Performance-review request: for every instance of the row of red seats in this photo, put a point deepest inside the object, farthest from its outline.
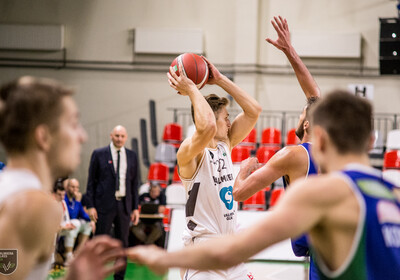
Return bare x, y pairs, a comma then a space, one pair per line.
263, 153
271, 136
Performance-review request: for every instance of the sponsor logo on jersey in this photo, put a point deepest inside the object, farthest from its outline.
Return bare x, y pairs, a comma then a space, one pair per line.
375, 189
389, 217
223, 178
388, 212
225, 194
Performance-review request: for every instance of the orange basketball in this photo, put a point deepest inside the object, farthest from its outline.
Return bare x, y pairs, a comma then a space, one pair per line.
193, 66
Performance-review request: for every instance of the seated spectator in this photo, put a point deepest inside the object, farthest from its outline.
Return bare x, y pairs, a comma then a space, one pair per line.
59, 195
148, 230
79, 218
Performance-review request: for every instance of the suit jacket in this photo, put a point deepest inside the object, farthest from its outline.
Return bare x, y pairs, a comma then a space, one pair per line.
101, 181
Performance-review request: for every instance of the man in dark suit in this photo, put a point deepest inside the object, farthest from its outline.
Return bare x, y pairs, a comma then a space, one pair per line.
112, 190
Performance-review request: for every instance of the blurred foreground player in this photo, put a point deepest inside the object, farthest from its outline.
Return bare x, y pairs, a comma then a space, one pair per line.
41, 133
351, 214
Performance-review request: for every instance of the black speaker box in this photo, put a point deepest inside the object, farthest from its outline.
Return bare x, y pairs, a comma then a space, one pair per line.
389, 46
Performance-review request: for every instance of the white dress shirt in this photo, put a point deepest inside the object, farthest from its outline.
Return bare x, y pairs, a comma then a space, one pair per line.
122, 168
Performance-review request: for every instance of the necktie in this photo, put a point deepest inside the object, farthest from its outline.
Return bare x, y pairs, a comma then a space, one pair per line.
117, 172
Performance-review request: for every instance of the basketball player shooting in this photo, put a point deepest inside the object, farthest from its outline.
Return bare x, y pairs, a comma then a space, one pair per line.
205, 164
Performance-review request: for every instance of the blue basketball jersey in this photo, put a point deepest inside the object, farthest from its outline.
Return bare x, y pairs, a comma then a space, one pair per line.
300, 245
312, 166
376, 246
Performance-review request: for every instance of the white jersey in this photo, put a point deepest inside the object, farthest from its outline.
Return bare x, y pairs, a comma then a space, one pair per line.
210, 208
15, 181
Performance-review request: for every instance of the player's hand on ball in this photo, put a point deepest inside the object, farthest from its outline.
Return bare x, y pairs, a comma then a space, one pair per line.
215, 75
180, 83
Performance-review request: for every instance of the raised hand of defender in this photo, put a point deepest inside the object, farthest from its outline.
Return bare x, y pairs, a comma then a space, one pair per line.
282, 29
182, 84
150, 256
215, 75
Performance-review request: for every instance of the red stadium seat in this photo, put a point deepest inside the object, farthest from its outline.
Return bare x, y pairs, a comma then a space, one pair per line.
255, 202
271, 137
175, 177
173, 134
159, 173
275, 196
391, 167
240, 153
167, 218
264, 153
391, 160
251, 140
291, 137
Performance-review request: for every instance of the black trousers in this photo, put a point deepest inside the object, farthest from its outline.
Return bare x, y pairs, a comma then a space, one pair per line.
121, 221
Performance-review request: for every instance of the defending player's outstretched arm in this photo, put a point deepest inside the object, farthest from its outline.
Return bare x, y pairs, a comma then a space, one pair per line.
306, 81
290, 161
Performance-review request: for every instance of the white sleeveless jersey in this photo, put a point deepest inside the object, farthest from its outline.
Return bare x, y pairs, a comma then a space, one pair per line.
210, 208
16, 181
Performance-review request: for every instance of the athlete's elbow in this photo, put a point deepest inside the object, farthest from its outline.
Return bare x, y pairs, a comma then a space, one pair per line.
253, 113
258, 109
209, 129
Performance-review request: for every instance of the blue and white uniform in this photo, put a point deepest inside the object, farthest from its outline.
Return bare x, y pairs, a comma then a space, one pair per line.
375, 252
300, 245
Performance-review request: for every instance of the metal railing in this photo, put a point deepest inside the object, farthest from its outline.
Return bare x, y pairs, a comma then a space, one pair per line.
286, 120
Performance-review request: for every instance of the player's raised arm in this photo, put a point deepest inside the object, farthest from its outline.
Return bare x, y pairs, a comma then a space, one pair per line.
245, 121
306, 81
204, 121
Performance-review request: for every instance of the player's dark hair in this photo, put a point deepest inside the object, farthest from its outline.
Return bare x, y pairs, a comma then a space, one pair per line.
26, 103
215, 102
347, 120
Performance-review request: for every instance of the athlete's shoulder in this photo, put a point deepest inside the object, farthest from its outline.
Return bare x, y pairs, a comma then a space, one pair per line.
291, 156
32, 211
326, 188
